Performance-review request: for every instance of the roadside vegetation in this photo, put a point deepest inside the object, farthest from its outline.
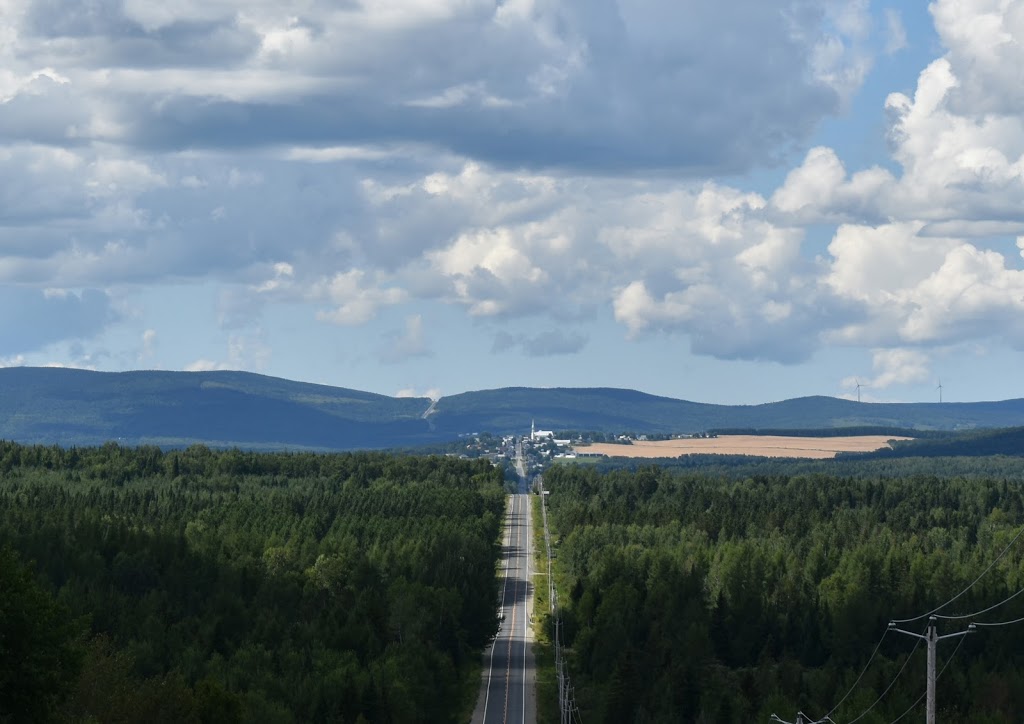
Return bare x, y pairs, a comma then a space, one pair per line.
543, 648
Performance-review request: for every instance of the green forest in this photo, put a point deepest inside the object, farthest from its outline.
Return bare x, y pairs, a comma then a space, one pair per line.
727, 596
138, 585
142, 585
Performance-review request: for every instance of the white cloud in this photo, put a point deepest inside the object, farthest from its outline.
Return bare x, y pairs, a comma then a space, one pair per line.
875, 264
489, 273
293, 159
204, 365
110, 176
434, 393
283, 275
535, 84
356, 299
984, 41
899, 366
819, 190
972, 294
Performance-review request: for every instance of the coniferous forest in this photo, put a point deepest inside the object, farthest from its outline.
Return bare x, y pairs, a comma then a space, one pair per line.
199, 586
692, 597
224, 586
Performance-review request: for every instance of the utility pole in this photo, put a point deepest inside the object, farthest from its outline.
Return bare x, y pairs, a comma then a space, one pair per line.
932, 638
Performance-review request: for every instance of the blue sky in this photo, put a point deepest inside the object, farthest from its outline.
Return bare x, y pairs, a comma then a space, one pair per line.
730, 203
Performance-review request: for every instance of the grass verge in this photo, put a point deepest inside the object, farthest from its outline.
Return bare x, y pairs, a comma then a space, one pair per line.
543, 649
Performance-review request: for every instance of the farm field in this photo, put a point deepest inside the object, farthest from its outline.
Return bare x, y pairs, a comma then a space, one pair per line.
760, 445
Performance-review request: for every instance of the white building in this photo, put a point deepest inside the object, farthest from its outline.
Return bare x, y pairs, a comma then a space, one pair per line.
536, 434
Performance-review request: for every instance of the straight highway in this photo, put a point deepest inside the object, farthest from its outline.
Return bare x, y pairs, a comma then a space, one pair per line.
507, 693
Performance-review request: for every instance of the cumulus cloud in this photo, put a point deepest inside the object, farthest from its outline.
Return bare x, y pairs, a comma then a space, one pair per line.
434, 393
714, 268
899, 366
355, 297
984, 42
290, 157
511, 83
820, 190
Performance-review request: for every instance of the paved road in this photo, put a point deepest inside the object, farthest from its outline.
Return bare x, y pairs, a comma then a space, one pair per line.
507, 693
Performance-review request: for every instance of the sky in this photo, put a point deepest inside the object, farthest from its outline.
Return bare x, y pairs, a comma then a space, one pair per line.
724, 202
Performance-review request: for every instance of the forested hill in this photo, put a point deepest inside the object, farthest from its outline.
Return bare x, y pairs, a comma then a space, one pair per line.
615, 410
240, 409
223, 409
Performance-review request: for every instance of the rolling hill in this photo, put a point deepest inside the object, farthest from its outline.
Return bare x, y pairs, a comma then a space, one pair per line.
618, 410
79, 407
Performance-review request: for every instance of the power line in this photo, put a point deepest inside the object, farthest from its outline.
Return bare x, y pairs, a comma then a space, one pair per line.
980, 576
891, 684
931, 636
910, 708
1000, 623
939, 676
934, 613
984, 610
863, 671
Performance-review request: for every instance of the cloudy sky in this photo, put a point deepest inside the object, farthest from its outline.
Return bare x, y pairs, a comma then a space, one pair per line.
726, 202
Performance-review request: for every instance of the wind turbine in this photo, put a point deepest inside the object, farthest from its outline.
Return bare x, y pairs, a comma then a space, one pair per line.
939, 388
859, 385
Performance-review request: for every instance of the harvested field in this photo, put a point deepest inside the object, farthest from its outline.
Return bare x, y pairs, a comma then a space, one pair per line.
771, 446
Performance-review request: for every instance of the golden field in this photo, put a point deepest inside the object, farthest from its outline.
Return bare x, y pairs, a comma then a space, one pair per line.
773, 446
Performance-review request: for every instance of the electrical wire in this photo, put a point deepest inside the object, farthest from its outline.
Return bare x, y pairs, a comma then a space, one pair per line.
891, 683
1000, 623
937, 677
937, 615
979, 613
576, 715
855, 683
910, 709
980, 576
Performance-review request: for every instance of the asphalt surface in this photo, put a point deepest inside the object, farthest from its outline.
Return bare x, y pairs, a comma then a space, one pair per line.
507, 692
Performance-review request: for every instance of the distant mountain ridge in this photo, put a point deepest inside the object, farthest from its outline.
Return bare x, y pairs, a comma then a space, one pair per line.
80, 407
